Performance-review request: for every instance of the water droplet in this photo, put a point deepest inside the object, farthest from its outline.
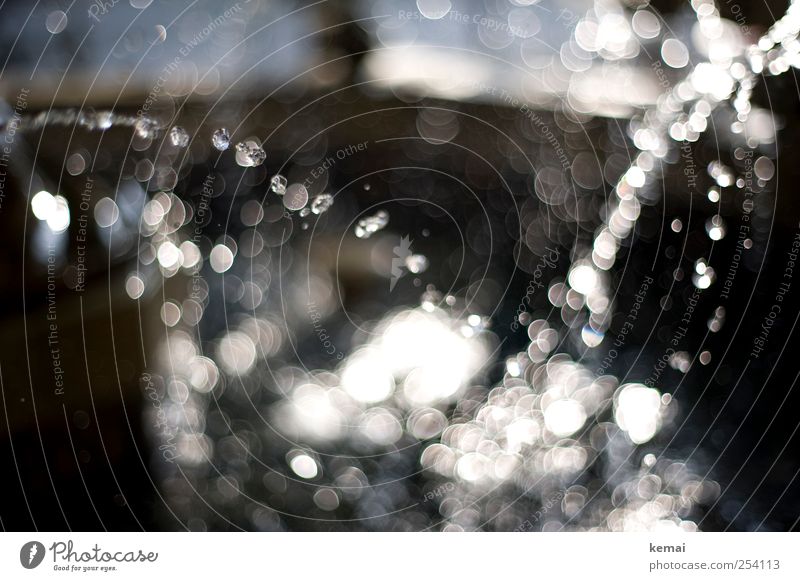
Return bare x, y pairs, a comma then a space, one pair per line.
43, 204
705, 357
430, 298
104, 120
366, 227
221, 139
681, 361
305, 212
704, 276
722, 174
145, 128
321, 203
96, 120
717, 320
513, 367
178, 136
700, 266
58, 220
635, 177
416, 263
304, 466
278, 184
250, 154
677, 225
713, 195
715, 227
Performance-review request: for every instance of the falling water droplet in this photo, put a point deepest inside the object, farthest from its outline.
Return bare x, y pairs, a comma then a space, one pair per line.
430, 298
321, 203
145, 128
721, 173
715, 227
178, 136
366, 227
416, 263
681, 361
250, 154
104, 120
221, 139
717, 320
704, 276
278, 184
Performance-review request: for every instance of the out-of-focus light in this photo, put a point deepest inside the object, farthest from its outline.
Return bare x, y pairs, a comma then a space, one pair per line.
304, 466
221, 258
106, 212
637, 410
675, 53
169, 256
366, 377
564, 417
583, 278
134, 286
434, 9
237, 353
58, 219
52, 209
43, 205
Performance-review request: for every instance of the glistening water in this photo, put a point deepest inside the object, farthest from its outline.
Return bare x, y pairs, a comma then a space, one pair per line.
434, 303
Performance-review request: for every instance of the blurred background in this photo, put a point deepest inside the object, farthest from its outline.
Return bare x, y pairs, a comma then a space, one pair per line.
452, 265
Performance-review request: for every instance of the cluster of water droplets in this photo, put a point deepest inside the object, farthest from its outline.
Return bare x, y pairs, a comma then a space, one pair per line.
368, 225
663, 135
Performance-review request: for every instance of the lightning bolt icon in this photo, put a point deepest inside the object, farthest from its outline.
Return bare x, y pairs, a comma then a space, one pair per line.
400, 252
